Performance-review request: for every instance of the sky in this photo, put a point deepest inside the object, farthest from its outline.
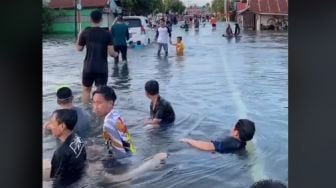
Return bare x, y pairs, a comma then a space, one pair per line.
197, 2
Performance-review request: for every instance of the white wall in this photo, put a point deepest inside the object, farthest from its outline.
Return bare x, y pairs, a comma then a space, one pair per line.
264, 19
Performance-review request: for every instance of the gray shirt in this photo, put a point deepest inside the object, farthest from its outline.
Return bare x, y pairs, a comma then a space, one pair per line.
83, 124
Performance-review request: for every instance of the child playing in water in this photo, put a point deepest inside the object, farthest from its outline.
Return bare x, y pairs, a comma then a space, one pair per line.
179, 46
242, 132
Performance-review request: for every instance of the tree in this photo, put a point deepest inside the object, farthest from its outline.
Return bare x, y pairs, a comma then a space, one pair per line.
217, 5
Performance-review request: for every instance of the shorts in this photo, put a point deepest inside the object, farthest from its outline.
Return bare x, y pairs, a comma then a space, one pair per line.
98, 78
213, 25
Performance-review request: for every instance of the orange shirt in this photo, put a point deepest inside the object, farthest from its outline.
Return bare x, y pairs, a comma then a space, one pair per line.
213, 20
180, 49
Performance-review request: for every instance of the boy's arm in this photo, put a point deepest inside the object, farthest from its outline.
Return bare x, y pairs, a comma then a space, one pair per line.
152, 121
157, 34
80, 42
202, 145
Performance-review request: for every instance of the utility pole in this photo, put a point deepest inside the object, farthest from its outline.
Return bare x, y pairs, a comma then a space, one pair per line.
225, 11
77, 7
75, 17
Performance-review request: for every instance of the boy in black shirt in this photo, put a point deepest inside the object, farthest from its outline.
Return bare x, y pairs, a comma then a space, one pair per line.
161, 111
242, 132
68, 163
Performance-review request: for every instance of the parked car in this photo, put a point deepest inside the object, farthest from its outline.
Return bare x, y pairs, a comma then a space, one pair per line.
139, 30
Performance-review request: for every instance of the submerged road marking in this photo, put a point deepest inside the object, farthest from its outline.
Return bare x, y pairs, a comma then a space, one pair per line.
257, 170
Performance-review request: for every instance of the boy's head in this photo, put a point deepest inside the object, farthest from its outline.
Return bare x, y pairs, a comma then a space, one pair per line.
243, 130
103, 99
61, 121
96, 16
151, 88
162, 22
179, 39
268, 184
64, 96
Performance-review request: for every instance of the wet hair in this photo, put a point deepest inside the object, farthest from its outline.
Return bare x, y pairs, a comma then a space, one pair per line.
179, 37
66, 116
64, 95
268, 184
245, 129
152, 87
119, 18
107, 92
96, 16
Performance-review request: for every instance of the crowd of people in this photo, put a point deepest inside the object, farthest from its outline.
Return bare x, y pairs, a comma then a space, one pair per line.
70, 125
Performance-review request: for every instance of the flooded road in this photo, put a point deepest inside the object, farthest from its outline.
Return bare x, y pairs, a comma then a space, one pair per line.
217, 82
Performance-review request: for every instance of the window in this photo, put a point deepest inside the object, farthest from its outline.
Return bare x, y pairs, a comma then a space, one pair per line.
132, 22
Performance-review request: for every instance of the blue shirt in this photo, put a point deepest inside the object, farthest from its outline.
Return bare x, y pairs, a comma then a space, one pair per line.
228, 144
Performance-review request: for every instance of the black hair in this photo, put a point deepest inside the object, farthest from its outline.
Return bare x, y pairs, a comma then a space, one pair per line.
268, 184
152, 87
179, 37
64, 95
66, 116
120, 18
96, 16
245, 129
107, 92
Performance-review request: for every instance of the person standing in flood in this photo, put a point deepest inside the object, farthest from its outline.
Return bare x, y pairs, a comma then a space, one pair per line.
120, 35
237, 30
98, 44
163, 37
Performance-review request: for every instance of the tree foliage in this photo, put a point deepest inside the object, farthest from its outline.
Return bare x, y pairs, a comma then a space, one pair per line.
145, 7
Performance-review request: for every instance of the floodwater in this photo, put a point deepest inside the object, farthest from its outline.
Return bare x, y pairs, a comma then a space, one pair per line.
217, 82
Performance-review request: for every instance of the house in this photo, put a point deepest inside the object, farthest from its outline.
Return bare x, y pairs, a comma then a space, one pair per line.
263, 14
66, 22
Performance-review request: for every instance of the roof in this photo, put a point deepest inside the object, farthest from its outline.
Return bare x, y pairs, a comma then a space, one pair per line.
267, 7
241, 6
70, 3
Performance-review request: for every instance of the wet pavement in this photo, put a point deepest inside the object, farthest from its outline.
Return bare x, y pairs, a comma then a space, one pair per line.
218, 81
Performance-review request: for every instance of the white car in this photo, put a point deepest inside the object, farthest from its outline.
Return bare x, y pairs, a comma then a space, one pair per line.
139, 30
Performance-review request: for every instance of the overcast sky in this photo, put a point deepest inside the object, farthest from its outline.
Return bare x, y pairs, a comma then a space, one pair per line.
197, 2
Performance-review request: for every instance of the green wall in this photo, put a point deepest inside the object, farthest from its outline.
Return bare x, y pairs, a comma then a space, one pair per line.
66, 23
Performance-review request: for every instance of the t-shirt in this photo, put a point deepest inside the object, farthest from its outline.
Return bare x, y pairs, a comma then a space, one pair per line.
180, 49
228, 144
163, 34
68, 162
120, 34
96, 40
213, 20
163, 110
115, 127
83, 124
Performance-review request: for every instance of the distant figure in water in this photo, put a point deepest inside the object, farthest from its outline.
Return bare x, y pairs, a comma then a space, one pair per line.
237, 29
268, 184
242, 132
213, 22
229, 31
